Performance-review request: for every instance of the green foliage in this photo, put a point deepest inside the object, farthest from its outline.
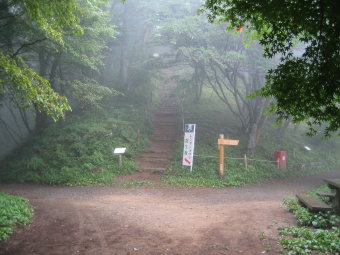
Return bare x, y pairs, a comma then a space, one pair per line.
205, 174
98, 32
31, 89
306, 218
318, 233
307, 241
14, 211
89, 93
53, 17
79, 31
78, 151
305, 85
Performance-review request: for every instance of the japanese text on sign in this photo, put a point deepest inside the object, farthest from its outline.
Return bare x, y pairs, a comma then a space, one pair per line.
189, 144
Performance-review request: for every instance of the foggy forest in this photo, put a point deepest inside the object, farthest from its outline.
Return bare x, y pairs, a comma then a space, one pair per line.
169, 127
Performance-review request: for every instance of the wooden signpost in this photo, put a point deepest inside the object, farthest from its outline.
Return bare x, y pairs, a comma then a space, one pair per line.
221, 143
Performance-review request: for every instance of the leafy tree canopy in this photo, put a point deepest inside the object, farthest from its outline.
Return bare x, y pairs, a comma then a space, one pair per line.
306, 85
56, 21
30, 89
52, 17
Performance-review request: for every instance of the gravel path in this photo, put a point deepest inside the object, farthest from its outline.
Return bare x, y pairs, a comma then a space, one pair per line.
111, 220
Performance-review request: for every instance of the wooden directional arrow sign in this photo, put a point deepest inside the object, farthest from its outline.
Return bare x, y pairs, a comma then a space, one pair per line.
221, 142
227, 142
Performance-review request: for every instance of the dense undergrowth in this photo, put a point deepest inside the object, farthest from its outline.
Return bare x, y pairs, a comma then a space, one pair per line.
213, 119
78, 151
14, 211
315, 233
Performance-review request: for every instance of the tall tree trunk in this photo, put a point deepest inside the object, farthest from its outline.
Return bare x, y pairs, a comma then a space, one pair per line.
124, 62
255, 130
41, 119
8, 39
252, 139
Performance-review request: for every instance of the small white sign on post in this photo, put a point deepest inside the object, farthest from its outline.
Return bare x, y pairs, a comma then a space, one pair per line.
119, 152
189, 145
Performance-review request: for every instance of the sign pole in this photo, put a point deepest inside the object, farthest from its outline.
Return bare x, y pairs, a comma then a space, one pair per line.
221, 149
120, 159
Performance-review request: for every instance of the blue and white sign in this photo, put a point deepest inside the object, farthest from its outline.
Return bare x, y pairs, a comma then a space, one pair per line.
189, 145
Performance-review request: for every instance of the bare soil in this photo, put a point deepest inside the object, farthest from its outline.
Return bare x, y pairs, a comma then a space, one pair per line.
112, 220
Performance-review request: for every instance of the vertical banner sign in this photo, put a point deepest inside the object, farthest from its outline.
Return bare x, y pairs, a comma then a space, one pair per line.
189, 144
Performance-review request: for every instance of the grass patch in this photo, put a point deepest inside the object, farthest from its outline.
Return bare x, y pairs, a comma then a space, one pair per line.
316, 233
78, 151
14, 211
205, 170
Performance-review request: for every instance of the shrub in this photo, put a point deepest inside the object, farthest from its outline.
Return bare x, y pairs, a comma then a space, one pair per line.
14, 211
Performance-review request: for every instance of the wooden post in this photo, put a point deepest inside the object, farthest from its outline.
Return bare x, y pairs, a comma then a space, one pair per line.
120, 160
221, 149
245, 161
221, 143
138, 136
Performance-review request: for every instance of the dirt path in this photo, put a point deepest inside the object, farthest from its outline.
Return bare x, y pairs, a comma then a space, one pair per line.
108, 220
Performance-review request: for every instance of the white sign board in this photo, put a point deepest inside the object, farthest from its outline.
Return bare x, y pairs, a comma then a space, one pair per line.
119, 151
189, 145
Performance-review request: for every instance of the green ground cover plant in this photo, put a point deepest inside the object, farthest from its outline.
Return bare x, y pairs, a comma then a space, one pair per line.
315, 233
79, 150
14, 211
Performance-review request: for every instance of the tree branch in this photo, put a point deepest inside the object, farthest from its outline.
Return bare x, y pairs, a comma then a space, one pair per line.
28, 44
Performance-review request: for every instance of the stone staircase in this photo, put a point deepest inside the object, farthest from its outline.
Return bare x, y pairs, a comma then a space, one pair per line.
166, 129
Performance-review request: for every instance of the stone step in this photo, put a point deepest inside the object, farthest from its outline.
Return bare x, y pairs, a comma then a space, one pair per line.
169, 132
166, 129
153, 169
162, 124
312, 203
160, 143
155, 160
166, 112
160, 139
165, 155
156, 149
169, 116
151, 165
163, 135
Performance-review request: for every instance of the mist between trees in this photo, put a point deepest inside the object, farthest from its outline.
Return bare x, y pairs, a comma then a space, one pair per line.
60, 60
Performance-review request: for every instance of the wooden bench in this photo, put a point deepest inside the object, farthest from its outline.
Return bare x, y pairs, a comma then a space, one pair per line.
312, 203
